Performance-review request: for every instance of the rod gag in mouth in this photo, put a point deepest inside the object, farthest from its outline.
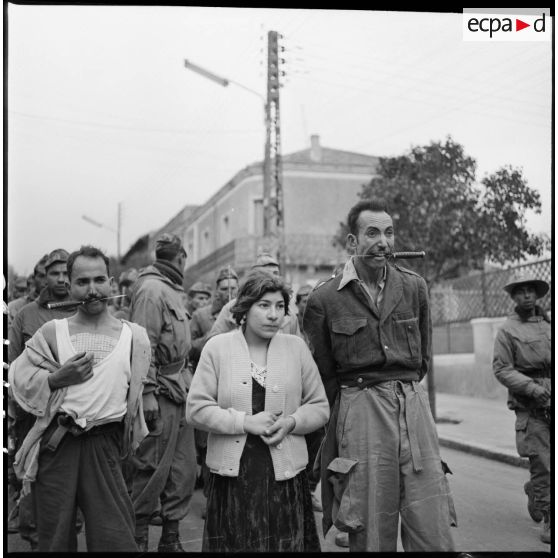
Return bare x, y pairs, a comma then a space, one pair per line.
76, 303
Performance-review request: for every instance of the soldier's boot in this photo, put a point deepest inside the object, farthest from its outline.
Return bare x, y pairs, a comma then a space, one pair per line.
536, 515
170, 538
546, 532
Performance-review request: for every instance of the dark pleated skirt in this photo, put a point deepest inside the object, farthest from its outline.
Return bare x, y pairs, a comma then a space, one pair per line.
255, 513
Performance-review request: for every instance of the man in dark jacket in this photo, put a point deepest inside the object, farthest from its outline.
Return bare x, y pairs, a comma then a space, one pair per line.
164, 467
369, 329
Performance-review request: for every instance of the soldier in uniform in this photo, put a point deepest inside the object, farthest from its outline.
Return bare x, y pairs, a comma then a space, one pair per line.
164, 467
33, 315
199, 295
369, 329
523, 363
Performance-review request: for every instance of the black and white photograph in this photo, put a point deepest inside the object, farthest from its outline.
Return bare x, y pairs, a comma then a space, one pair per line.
278, 279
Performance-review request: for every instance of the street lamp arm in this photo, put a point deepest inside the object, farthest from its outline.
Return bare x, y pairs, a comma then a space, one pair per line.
205, 73
96, 223
93, 222
218, 79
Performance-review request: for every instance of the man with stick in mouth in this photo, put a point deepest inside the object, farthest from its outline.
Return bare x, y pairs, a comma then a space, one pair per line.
26, 322
369, 329
82, 377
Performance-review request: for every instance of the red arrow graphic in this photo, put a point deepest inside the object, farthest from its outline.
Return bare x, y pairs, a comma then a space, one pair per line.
519, 25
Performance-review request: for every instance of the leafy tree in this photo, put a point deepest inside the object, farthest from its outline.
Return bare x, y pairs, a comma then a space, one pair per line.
437, 206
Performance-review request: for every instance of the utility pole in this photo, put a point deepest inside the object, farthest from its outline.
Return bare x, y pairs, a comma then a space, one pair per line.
273, 176
273, 214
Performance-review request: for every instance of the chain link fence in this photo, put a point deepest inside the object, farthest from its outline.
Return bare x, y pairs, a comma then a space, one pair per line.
483, 295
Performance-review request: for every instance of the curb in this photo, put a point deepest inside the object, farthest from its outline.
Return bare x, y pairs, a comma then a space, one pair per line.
484, 451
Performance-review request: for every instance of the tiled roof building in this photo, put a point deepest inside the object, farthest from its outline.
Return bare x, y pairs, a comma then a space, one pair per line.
319, 186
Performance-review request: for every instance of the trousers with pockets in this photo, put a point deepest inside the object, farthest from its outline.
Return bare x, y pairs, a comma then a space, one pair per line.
390, 469
164, 468
532, 437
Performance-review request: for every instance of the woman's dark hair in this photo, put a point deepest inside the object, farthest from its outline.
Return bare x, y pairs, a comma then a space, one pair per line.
255, 285
364, 205
86, 252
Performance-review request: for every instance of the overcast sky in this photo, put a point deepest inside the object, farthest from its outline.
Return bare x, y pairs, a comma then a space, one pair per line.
102, 111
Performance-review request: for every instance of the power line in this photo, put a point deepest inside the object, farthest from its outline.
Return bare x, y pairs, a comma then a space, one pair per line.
128, 128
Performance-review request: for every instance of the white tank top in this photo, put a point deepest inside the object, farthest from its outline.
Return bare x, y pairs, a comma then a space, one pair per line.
103, 397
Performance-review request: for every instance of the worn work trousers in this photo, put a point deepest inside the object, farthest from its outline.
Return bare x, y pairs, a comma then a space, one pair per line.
84, 471
533, 441
387, 435
164, 468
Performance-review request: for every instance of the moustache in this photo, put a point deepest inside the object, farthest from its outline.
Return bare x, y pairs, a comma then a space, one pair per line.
92, 299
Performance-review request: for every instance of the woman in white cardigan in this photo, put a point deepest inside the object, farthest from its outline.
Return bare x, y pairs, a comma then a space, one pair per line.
258, 392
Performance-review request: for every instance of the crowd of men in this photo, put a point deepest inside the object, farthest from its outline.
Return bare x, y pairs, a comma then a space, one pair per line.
114, 450
169, 463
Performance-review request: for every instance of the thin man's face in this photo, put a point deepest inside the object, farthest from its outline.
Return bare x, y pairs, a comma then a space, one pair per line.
375, 239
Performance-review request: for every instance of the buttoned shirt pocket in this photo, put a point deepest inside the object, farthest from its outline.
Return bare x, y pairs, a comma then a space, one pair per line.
532, 352
351, 340
175, 336
345, 510
407, 335
175, 314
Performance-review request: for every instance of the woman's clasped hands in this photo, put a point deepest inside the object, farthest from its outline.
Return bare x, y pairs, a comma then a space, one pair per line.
270, 426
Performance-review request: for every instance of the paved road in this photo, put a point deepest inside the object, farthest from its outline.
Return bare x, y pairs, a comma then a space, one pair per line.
489, 501
491, 506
